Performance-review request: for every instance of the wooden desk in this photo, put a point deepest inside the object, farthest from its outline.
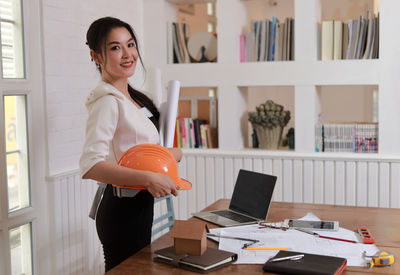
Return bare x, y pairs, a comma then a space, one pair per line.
383, 224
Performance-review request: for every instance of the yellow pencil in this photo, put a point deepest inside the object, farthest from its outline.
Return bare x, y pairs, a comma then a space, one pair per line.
266, 248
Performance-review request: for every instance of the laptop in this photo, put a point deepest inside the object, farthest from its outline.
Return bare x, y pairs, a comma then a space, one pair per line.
250, 201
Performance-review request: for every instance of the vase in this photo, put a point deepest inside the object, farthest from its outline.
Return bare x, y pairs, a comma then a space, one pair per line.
268, 138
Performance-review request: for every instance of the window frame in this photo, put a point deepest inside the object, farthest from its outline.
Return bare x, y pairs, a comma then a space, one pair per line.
37, 214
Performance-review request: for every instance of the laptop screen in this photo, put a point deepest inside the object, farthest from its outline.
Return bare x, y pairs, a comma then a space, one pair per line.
252, 194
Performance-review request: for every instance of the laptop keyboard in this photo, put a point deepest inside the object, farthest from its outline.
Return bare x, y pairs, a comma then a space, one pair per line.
234, 216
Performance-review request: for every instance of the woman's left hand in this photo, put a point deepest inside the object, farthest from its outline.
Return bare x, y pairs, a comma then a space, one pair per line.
177, 152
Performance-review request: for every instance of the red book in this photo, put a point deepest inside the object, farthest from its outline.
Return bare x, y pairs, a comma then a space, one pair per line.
175, 134
242, 48
183, 133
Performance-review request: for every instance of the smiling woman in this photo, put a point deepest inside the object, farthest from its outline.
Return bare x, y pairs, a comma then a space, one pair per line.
118, 61
120, 117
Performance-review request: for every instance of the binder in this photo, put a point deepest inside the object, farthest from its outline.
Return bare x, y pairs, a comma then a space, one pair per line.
209, 261
310, 264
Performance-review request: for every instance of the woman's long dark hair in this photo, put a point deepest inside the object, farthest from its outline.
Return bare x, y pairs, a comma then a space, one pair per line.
96, 40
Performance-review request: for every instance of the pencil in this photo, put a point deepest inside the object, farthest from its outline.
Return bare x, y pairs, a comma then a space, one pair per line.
267, 248
337, 239
324, 237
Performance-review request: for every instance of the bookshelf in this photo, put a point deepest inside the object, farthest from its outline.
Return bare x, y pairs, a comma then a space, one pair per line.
201, 103
305, 75
198, 103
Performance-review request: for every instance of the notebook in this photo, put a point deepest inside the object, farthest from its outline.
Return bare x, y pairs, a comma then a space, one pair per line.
210, 260
310, 264
249, 203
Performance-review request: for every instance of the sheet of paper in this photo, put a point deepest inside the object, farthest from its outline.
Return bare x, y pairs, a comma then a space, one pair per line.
243, 228
294, 240
266, 239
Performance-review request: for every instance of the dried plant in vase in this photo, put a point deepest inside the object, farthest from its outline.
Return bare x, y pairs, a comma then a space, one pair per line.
268, 121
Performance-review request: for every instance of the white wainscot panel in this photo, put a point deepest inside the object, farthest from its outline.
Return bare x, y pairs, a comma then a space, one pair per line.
77, 247
363, 180
331, 178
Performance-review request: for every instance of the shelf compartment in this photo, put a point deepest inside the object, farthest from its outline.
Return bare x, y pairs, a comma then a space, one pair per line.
349, 115
256, 95
185, 19
349, 103
196, 106
340, 20
268, 31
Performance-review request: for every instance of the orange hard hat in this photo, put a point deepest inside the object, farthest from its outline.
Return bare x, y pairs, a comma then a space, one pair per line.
154, 158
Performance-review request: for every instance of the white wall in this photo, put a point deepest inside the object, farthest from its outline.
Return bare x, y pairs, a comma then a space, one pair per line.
344, 10
70, 75
343, 104
261, 9
197, 21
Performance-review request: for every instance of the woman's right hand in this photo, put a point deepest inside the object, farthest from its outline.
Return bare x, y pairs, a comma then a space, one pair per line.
160, 185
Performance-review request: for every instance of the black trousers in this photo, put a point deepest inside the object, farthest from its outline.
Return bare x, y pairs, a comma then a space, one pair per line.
124, 225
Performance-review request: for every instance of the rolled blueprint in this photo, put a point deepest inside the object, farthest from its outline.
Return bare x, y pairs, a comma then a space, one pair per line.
168, 113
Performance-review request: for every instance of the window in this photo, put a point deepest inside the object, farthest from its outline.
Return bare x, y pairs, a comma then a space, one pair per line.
16, 152
19, 88
12, 57
211, 24
210, 9
210, 27
21, 250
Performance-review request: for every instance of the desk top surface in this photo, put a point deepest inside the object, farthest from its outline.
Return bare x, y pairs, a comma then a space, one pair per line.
382, 223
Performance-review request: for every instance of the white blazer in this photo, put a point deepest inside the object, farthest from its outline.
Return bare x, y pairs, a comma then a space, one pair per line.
114, 125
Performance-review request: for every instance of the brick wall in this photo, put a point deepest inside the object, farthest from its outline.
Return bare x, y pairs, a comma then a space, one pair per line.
69, 74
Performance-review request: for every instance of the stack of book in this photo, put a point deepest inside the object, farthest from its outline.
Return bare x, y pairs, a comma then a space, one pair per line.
358, 138
180, 35
194, 133
356, 39
269, 41
366, 138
